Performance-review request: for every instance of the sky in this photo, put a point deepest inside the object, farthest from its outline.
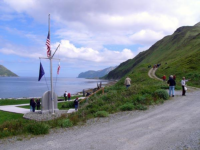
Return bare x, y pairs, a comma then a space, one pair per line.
93, 34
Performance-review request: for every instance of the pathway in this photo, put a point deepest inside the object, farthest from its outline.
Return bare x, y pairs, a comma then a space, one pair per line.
19, 110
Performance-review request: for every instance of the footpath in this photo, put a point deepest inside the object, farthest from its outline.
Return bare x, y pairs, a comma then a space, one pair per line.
19, 110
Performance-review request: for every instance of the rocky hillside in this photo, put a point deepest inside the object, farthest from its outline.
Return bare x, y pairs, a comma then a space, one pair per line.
4, 72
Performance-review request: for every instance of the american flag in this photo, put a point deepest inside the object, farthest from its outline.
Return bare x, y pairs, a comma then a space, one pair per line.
48, 44
58, 68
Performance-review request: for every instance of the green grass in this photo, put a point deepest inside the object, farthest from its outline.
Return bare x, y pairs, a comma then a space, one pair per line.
186, 67
13, 101
25, 106
24, 101
8, 116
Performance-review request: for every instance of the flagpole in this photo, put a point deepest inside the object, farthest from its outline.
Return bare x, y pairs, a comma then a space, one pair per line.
50, 58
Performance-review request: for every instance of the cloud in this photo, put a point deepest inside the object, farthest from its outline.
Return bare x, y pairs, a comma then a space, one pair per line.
69, 52
87, 29
146, 37
96, 23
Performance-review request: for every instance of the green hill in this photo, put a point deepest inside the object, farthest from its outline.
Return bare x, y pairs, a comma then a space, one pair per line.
178, 54
4, 72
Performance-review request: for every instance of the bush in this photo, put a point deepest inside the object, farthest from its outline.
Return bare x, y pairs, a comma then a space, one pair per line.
127, 107
37, 128
160, 93
101, 114
140, 107
65, 123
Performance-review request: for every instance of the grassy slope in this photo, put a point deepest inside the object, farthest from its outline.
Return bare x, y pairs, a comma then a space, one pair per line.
172, 49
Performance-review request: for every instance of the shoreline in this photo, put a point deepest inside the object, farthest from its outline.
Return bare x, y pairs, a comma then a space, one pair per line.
90, 90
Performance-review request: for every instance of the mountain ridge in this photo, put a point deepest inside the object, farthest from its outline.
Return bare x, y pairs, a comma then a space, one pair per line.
95, 74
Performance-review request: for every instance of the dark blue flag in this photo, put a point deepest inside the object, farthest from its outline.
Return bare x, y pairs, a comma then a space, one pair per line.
41, 72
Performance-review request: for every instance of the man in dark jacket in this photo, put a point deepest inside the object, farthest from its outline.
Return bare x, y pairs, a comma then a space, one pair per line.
172, 85
76, 104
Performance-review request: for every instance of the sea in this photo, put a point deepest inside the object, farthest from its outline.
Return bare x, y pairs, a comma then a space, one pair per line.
26, 87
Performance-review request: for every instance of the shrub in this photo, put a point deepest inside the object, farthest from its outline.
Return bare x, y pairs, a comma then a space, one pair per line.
101, 114
140, 107
65, 123
37, 128
127, 107
160, 93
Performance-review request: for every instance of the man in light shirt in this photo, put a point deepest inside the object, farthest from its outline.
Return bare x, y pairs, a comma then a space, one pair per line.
127, 82
183, 83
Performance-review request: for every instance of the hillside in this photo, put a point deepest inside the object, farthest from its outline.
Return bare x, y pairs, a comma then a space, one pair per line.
178, 54
95, 74
4, 72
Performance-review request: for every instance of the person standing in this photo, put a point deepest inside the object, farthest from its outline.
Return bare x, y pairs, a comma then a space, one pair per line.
164, 77
68, 96
127, 82
65, 95
172, 85
31, 108
76, 104
33, 105
183, 83
174, 77
38, 104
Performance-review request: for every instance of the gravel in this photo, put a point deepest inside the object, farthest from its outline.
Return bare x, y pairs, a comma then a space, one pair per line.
38, 116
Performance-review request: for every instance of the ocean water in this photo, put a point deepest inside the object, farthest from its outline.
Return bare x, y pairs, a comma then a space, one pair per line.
22, 87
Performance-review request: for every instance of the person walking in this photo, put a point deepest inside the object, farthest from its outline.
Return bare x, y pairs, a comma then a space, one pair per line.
33, 105
172, 85
184, 88
127, 82
68, 96
76, 104
164, 77
38, 104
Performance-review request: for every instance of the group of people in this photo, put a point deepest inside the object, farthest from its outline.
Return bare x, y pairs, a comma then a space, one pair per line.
67, 96
34, 104
156, 66
172, 83
173, 76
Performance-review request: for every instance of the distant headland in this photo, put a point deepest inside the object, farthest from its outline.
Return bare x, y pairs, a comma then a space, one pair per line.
4, 72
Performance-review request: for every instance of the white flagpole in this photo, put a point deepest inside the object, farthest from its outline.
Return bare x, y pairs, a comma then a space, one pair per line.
50, 58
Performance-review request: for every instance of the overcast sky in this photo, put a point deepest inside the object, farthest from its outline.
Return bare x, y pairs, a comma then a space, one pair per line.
94, 34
